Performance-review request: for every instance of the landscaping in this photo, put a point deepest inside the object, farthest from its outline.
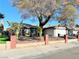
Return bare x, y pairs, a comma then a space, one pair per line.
3, 39
3, 36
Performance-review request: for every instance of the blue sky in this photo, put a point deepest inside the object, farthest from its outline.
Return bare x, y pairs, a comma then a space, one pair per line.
12, 14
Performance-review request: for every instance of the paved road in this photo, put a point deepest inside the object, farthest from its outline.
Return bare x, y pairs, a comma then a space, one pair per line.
72, 53
51, 51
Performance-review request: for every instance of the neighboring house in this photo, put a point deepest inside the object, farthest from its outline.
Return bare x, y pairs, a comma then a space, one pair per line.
28, 30
75, 31
55, 31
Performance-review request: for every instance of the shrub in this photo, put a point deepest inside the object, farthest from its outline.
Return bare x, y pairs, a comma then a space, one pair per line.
3, 38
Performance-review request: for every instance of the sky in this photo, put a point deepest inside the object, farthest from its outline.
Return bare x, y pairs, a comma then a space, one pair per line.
11, 14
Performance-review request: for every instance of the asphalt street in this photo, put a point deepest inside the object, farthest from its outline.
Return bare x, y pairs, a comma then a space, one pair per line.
72, 53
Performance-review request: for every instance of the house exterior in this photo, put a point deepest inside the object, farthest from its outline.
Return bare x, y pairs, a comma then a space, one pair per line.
28, 30
75, 31
53, 31
56, 31
60, 31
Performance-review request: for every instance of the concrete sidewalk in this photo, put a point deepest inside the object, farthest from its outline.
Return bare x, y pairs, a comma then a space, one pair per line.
36, 50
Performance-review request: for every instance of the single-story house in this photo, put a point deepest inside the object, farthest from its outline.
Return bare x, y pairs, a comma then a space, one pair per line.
75, 31
28, 30
56, 31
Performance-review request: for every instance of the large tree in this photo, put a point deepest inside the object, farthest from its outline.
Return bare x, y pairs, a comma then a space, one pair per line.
42, 9
69, 13
68, 16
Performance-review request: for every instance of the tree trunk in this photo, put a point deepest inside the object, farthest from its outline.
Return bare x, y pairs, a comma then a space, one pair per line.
41, 31
41, 24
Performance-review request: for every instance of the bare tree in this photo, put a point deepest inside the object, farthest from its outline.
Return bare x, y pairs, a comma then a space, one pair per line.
39, 8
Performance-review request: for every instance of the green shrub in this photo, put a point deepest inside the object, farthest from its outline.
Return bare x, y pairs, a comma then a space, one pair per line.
3, 38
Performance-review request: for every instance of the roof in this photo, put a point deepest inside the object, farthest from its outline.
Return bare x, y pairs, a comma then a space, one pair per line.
55, 27
28, 26
61, 27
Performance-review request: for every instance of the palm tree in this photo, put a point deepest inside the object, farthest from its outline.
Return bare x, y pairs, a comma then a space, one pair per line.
14, 26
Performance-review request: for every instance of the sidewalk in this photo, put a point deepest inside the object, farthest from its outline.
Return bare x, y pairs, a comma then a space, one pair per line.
35, 50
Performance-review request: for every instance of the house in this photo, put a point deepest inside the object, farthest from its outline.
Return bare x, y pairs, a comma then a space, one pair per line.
75, 31
28, 30
56, 31
53, 31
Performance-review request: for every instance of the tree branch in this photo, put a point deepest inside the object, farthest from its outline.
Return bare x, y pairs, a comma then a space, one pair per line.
40, 20
47, 19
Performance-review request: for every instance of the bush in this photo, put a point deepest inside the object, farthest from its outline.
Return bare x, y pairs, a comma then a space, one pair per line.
3, 38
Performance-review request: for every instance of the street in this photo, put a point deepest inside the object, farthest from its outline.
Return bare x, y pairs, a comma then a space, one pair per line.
72, 53
52, 51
